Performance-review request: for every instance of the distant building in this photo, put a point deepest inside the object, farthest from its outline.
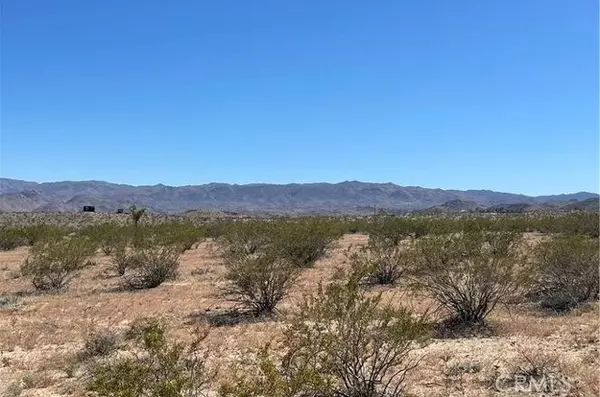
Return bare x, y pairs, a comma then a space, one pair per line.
120, 211
89, 208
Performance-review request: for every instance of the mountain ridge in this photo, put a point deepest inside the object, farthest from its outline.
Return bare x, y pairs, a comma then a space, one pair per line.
318, 197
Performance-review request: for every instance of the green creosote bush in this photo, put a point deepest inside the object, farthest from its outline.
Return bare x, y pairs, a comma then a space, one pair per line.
467, 273
342, 342
576, 223
150, 266
131, 250
381, 262
259, 281
39, 233
174, 234
156, 367
53, 264
303, 242
564, 272
123, 258
241, 238
391, 230
185, 235
108, 236
11, 238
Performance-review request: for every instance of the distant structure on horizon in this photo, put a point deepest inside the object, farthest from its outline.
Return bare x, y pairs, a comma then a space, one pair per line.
89, 208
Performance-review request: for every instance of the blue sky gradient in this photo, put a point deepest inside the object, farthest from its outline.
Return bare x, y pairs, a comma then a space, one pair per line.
464, 94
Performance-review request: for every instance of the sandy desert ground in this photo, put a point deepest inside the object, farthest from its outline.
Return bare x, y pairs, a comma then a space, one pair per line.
41, 334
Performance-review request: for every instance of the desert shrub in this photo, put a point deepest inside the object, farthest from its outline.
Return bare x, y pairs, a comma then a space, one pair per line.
13, 389
305, 241
238, 239
391, 229
107, 246
341, 343
37, 380
352, 226
108, 236
150, 266
540, 369
43, 233
122, 258
467, 273
565, 272
260, 281
578, 223
396, 228
184, 235
133, 249
99, 344
156, 367
53, 264
125, 258
382, 262
535, 363
9, 301
11, 238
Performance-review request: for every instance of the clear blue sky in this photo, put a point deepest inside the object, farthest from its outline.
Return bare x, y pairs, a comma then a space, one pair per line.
465, 94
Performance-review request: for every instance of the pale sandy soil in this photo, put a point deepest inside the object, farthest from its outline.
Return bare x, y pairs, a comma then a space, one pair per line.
39, 338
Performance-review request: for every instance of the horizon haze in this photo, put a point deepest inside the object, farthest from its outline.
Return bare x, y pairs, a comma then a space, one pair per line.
5, 177
350, 197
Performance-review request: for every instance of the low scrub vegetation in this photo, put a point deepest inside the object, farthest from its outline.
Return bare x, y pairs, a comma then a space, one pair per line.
341, 343
341, 340
565, 272
9, 301
382, 261
467, 273
259, 281
40, 232
150, 266
391, 230
184, 235
154, 367
303, 242
239, 239
122, 258
53, 264
100, 344
396, 227
108, 236
11, 239
300, 242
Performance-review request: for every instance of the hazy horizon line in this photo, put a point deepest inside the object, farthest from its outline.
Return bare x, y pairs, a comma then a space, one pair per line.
295, 183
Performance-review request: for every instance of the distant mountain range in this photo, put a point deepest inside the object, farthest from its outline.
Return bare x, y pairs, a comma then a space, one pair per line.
328, 198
